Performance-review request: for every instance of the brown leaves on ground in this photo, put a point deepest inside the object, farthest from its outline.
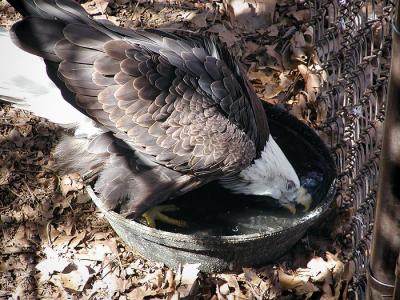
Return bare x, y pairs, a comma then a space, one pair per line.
251, 15
71, 183
320, 275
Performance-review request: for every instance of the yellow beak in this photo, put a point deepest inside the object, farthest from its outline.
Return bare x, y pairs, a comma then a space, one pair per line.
304, 198
290, 207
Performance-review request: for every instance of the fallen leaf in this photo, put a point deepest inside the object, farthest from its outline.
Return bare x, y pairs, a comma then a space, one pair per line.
200, 20
71, 183
154, 279
114, 282
274, 54
77, 239
75, 280
230, 280
264, 77
251, 14
312, 80
138, 293
20, 239
335, 265
224, 34
318, 269
189, 274
98, 252
63, 241
223, 289
5, 173
303, 15
273, 30
102, 4
169, 283
292, 281
52, 263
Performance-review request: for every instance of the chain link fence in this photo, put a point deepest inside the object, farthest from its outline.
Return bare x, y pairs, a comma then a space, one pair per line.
353, 40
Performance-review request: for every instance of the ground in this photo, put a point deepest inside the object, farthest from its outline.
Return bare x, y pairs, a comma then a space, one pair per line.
55, 244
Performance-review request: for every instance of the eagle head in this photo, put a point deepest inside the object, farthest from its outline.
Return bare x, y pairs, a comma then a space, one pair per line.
271, 175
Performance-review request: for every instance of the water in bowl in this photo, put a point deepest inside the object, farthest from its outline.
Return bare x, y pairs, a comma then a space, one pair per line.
213, 210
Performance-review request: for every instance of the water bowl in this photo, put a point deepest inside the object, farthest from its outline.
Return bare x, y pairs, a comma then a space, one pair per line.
228, 231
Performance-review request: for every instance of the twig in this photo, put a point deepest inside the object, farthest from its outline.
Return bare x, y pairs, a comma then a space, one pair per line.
30, 191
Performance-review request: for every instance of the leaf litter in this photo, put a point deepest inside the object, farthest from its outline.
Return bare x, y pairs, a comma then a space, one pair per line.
56, 245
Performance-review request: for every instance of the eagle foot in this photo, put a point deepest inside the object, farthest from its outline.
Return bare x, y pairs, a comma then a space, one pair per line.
157, 214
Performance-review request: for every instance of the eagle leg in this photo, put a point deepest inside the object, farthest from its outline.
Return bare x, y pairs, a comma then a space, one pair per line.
156, 213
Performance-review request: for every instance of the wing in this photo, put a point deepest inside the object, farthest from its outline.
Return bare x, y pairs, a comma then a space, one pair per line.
164, 96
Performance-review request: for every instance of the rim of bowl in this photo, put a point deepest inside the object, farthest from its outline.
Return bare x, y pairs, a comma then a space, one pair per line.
215, 239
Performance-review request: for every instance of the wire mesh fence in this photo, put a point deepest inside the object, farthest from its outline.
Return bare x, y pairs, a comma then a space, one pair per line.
353, 40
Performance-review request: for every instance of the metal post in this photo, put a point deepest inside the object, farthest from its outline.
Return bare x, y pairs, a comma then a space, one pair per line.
386, 237
396, 293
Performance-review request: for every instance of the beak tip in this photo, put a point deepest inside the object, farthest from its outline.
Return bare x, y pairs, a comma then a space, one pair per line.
304, 199
291, 208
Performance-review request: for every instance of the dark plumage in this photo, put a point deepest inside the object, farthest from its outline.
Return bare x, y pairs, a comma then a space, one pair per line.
175, 112
190, 115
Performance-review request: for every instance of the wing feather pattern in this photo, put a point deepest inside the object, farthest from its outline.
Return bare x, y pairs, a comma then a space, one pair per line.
170, 98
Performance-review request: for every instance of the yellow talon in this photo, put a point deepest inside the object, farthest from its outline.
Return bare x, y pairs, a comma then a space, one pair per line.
156, 214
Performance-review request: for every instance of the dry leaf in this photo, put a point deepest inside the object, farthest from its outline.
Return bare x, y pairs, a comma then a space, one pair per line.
264, 78
77, 239
71, 183
250, 48
189, 274
335, 265
327, 292
75, 280
155, 279
313, 82
299, 47
20, 239
251, 276
138, 293
222, 291
307, 289
274, 54
186, 278
63, 240
318, 269
273, 30
292, 281
114, 282
4, 174
169, 283
102, 5
303, 15
52, 263
231, 281
98, 252
251, 14
200, 20
224, 34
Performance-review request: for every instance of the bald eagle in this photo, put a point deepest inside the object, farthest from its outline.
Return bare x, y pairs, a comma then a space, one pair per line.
155, 114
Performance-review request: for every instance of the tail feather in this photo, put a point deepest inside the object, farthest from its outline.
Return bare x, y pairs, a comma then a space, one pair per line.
25, 8
38, 36
65, 11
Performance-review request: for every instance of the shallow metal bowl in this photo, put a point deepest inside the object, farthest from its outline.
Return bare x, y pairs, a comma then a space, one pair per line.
227, 231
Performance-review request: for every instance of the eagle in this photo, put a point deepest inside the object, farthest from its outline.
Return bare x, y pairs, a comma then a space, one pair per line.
155, 114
